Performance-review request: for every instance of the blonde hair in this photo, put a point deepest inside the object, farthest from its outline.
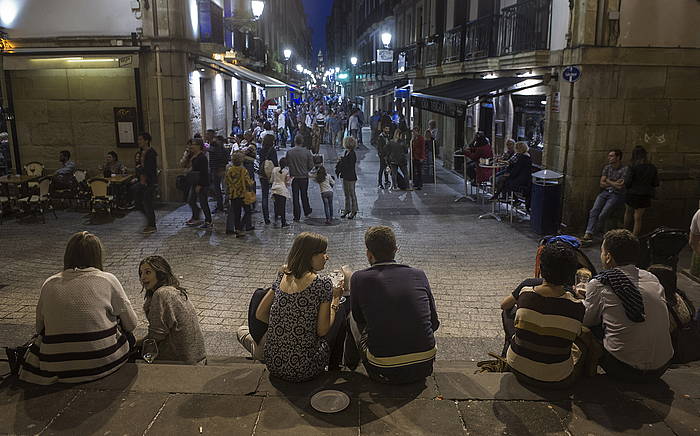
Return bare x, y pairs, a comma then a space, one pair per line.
84, 250
521, 147
349, 142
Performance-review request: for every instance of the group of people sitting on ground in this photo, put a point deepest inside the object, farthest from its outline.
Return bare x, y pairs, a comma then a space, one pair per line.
383, 316
85, 321
557, 333
305, 322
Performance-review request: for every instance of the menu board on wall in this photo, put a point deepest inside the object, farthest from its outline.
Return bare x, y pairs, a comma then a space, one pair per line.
125, 125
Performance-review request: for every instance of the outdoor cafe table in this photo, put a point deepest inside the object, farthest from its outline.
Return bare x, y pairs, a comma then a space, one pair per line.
120, 191
17, 180
497, 165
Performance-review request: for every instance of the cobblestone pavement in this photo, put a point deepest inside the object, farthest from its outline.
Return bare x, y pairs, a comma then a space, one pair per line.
471, 263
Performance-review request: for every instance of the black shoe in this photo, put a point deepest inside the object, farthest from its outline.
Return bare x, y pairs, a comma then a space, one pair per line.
380, 186
267, 221
352, 215
344, 214
309, 213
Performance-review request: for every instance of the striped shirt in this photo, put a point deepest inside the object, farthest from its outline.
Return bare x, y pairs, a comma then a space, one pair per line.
545, 328
77, 318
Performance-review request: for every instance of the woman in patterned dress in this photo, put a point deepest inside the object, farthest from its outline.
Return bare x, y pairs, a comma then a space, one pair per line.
304, 313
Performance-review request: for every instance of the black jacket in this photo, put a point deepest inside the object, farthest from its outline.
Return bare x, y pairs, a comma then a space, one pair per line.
346, 166
642, 179
200, 166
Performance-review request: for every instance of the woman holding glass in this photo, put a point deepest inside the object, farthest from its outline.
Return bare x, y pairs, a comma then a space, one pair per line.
305, 314
172, 320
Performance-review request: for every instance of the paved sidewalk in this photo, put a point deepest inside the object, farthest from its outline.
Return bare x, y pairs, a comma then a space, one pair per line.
240, 399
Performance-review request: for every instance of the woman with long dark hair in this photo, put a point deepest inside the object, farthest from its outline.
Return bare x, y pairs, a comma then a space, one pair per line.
304, 313
641, 183
172, 319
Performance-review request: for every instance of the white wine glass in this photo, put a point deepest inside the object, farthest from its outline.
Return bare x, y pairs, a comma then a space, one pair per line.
149, 350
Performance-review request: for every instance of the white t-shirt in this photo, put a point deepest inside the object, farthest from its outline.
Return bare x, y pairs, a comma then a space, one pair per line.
695, 224
642, 345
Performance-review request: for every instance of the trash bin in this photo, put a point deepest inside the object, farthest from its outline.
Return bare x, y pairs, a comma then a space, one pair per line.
545, 205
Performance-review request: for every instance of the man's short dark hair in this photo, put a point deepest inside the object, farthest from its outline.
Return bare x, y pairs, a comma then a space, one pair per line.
299, 141
146, 136
381, 242
617, 152
65, 153
622, 245
558, 264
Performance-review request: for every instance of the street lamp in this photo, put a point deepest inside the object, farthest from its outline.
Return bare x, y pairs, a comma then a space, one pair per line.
258, 6
386, 39
353, 60
287, 54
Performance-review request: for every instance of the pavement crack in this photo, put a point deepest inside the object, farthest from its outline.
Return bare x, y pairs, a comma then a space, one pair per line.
153, 421
257, 418
60, 412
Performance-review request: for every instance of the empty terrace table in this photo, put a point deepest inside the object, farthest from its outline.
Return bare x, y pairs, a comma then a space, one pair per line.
18, 180
494, 166
119, 189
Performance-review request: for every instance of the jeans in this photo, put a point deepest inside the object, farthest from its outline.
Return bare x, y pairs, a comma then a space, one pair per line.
350, 196
280, 208
417, 173
234, 223
203, 198
147, 194
300, 187
605, 203
327, 198
265, 197
382, 170
217, 176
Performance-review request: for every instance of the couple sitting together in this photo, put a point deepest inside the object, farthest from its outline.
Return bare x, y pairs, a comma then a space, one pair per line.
304, 324
553, 337
85, 321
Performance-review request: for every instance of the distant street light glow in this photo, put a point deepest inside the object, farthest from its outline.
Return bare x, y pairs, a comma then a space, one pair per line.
300, 68
353, 60
258, 6
287, 53
386, 38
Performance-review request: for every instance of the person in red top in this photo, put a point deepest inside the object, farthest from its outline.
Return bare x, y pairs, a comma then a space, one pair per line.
418, 156
480, 148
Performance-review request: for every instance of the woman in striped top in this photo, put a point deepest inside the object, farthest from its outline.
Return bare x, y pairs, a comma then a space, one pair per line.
547, 322
84, 320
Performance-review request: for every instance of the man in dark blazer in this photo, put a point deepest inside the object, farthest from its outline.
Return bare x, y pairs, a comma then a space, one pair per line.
393, 315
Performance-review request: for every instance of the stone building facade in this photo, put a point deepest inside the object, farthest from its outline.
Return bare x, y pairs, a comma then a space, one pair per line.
72, 64
639, 64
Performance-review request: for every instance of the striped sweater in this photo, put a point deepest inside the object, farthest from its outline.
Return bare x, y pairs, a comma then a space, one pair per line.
81, 318
545, 329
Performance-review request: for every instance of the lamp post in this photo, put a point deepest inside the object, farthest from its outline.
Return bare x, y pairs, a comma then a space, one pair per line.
386, 39
353, 61
257, 6
287, 54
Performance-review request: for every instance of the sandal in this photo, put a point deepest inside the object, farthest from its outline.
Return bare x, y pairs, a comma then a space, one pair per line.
496, 365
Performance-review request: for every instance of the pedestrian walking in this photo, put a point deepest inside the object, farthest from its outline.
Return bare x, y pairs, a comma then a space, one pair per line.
218, 159
418, 157
382, 153
397, 161
239, 182
199, 186
301, 162
280, 190
347, 171
326, 183
148, 180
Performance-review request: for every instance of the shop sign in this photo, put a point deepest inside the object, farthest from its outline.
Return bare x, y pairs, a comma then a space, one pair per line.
402, 62
440, 107
385, 55
125, 61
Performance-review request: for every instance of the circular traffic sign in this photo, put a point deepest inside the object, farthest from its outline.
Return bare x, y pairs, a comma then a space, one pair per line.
571, 73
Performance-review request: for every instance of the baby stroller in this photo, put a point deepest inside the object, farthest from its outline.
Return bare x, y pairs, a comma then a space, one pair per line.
662, 247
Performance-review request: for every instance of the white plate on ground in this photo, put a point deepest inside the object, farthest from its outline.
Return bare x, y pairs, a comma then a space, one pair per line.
330, 401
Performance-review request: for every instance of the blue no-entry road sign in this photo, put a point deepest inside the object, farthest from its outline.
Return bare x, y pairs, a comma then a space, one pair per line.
571, 73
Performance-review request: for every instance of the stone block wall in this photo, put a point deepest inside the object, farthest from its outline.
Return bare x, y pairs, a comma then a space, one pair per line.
622, 106
71, 109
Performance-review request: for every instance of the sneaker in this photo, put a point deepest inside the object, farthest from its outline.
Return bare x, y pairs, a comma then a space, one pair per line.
148, 230
352, 215
344, 214
205, 225
192, 223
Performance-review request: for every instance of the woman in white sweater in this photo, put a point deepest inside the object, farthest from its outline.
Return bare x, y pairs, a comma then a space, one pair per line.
84, 320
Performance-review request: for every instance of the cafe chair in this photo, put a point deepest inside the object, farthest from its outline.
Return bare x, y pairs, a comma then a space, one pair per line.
100, 199
41, 201
34, 169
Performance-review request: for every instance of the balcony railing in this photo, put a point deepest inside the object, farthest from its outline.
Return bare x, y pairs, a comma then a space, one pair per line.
432, 50
480, 41
411, 58
525, 26
453, 45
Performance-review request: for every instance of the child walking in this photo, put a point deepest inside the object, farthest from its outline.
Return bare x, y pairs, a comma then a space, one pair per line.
325, 184
280, 181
